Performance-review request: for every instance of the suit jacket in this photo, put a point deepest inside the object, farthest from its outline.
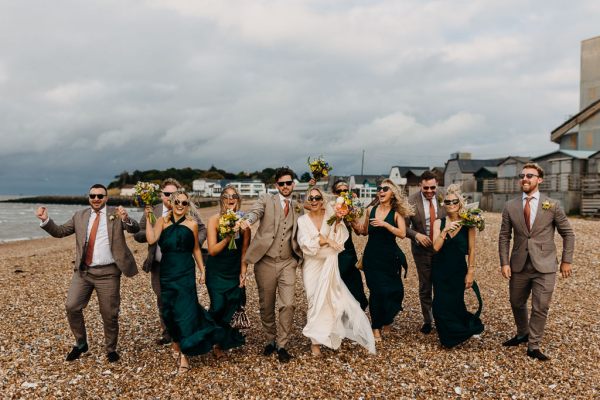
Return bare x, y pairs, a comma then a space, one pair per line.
416, 223
140, 236
539, 243
78, 225
268, 210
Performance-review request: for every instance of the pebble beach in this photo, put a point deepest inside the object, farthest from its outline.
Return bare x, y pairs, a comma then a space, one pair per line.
35, 337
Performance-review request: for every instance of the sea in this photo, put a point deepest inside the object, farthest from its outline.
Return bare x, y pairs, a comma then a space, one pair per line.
18, 220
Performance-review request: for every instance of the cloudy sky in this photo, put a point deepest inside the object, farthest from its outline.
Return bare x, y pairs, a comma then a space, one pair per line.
91, 88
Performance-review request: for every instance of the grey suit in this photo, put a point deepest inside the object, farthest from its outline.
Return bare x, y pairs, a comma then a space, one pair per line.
153, 266
533, 261
275, 253
105, 279
422, 255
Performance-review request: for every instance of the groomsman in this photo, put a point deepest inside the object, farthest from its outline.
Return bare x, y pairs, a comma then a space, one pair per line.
531, 268
419, 228
275, 254
152, 262
101, 257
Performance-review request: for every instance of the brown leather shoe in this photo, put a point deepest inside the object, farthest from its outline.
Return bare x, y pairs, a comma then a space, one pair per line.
515, 341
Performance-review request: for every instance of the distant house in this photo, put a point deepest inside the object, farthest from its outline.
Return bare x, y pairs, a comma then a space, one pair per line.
461, 169
127, 191
398, 174
206, 187
484, 173
365, 186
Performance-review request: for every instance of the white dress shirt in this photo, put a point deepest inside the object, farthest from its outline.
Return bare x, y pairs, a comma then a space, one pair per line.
282, 200
533, 205
426, 208
102, 251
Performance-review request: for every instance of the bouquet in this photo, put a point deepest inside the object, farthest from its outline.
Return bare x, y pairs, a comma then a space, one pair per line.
319, 168
348, 206
472, 217
146, 194
227, 223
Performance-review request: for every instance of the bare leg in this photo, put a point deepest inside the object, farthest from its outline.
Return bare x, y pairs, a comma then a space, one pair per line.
377, 335
315, 349
218, 352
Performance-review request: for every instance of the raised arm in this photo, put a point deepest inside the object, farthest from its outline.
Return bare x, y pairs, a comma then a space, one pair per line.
256, 212
47, 224
153, 232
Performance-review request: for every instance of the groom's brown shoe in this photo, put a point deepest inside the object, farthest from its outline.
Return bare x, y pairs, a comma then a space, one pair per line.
516, 341
537, 354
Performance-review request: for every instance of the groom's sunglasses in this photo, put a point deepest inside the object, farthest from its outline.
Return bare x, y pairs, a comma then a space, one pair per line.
529, 176
285, 183
99, 196
448, 202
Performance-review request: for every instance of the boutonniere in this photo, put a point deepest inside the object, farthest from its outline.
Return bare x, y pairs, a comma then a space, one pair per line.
546, 205
297, 208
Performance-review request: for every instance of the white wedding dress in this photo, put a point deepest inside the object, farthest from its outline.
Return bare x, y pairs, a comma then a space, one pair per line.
333, 313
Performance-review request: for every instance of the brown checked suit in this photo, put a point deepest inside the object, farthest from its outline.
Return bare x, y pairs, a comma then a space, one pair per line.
533, 261
275, 253
105, 279
422, 255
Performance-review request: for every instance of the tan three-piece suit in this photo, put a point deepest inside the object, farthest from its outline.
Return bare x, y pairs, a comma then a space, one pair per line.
105, 279
533, 260
275, 254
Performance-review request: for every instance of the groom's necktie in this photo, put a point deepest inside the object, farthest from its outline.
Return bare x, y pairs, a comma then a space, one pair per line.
286, 209
89, 251
431, 218
527, 213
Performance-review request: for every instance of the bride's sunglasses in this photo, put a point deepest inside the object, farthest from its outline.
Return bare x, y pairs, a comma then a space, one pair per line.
448, 202
184, 203
315, 198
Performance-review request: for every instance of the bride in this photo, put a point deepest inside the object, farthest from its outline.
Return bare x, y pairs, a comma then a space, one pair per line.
333, 313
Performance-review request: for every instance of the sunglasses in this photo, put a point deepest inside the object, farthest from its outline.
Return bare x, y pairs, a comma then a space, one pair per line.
285, 183
98, 196
167, 194
454, 202
231, 196
383, 189
315, 198
428, 187
529, 176
340, 191
184, 203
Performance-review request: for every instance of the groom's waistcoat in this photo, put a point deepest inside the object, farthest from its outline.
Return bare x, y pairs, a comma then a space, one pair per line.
282, 243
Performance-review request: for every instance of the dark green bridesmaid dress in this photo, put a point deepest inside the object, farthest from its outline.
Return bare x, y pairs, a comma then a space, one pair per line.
382, 264
454, 323
186, 320
223, 284
347, 260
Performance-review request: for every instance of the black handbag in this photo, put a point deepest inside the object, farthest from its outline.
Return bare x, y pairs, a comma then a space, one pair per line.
239, 319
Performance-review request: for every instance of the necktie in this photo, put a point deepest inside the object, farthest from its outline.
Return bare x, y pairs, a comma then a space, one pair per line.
89, 251
431, 218
286, 209
527, 212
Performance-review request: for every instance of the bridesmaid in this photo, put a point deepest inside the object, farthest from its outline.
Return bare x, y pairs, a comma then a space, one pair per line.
188, 323
347, 259
452, 274
383, 260
226, 272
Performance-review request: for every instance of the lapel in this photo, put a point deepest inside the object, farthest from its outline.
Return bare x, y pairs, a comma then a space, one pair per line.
420, 211
277, 211
85, 221
110, 224
521, 216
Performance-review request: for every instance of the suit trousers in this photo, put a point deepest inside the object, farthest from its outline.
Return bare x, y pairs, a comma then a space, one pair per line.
155, 282
541, 287
274, 275
106, 280
423, 263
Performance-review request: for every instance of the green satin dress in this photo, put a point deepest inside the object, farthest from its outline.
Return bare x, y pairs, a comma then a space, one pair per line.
186, 320
347, 260
383, 261
223, 284
454, 323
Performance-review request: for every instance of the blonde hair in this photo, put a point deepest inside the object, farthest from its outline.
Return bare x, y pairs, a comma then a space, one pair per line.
456, 191
223, 209
323, 195
399, 201
192, 209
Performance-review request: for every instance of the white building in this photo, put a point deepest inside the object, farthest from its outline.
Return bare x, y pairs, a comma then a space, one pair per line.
206, 187
213, 188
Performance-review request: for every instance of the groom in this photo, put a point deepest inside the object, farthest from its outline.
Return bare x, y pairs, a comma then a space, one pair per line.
275, 254
102, 256
531, 267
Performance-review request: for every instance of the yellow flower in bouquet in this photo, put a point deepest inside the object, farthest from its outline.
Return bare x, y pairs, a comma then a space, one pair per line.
472, 217
146, 194
226, 227
319, 167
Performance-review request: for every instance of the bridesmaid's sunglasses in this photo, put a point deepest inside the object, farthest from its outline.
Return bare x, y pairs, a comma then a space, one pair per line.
383, 189
231, 196
448, 202
184, 203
